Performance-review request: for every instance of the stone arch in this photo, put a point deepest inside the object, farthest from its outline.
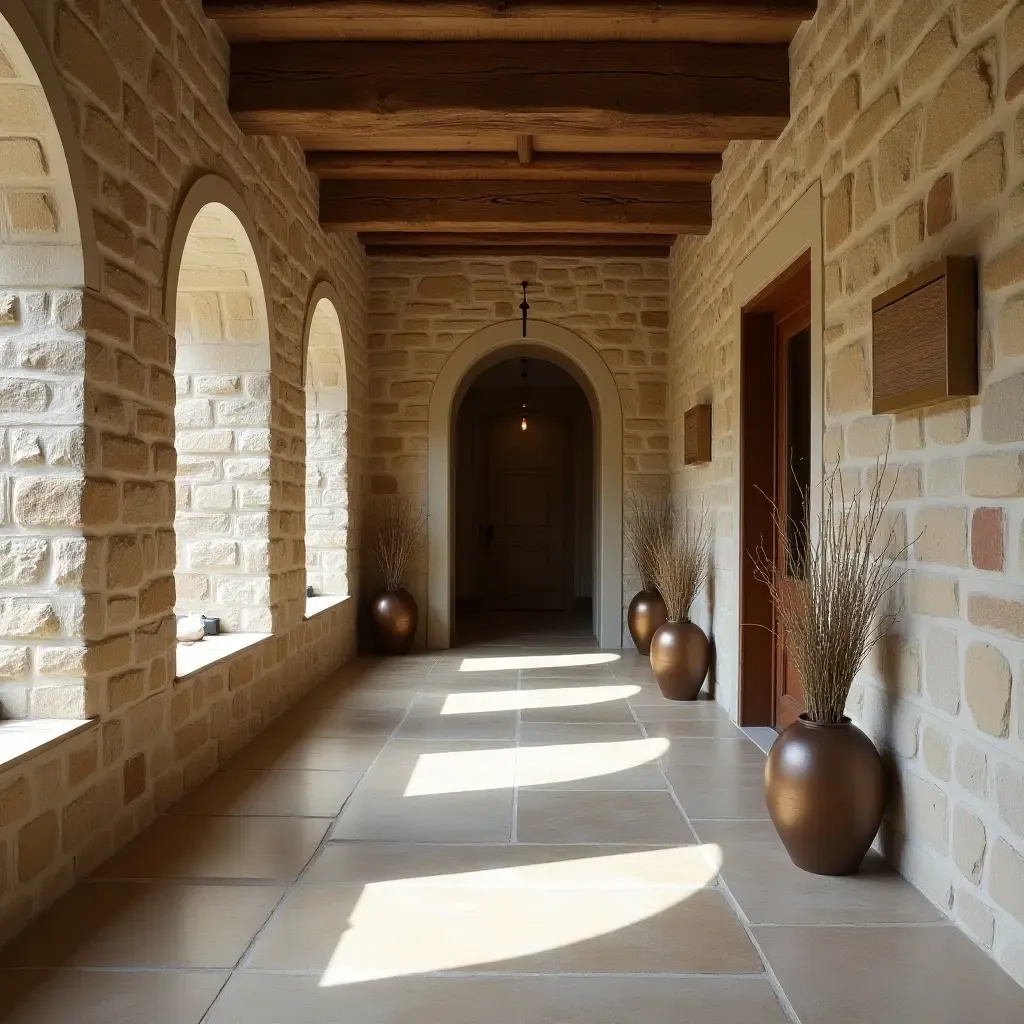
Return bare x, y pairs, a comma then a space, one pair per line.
216, 299
559, 345
327, 476
47, 259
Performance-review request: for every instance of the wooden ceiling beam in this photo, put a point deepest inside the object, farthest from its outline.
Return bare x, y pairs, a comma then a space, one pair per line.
711, 21
657, 167
448, 243
317, 92
492, 206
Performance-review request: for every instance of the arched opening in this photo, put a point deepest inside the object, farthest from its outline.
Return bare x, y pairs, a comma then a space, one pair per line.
222, 414
327, 494
46, 260
554, 344
524, 503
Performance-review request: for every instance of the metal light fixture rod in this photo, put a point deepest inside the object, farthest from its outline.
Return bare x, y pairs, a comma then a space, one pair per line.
525, 307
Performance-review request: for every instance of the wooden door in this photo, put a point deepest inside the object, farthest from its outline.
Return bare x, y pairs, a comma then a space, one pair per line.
792, 483
525, 535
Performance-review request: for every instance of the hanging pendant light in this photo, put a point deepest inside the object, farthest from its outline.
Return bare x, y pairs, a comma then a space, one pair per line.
522, 424
525, 307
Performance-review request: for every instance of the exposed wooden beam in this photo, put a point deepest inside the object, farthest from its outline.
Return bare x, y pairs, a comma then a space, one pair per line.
563, 248
712, 21
493, 206
524, 149
367, 166
452, 243
323, 91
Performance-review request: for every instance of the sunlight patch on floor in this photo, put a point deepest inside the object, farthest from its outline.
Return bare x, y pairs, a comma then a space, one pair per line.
470, 771
522, 700
502, 914
521, 661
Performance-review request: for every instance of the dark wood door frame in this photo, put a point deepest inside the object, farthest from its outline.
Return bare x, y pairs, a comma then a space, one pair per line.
757, 467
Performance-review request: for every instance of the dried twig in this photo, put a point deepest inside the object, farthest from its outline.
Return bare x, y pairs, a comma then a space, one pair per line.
682, 552
647, 518
399, 524
831, 616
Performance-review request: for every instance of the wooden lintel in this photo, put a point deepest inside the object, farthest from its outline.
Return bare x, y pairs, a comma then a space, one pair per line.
547, 241
713, 21
321, 93
370, 166
521, 248
538, 206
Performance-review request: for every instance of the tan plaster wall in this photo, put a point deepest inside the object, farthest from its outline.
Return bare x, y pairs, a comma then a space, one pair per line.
421, 310
909, 112
145, 84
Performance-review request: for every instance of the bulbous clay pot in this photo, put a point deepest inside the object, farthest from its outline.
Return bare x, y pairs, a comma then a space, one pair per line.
393, 617
680, 657
645, 617
825, 790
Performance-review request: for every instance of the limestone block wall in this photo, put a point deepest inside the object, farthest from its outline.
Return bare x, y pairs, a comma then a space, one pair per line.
421, 310
138, 92
910, 114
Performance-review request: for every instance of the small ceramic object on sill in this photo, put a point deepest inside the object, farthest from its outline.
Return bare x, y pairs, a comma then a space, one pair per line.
310, 592
191, 629
645, 616
211, 625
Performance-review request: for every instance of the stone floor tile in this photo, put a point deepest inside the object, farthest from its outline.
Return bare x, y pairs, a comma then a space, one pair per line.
719, 790
298, 793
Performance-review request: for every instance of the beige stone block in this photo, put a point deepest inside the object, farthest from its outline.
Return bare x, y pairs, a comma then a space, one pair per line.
983, 174
941, 535
21, 158
48, 501
996, 476
848, 387
1002, 415
927, 812
934, 595
22, 562
869, 125
28, 617
971, 766
839, 213
1005, 269
970, 843
869, 436
1006, 878
908, 431
935, 750
976, 917
946, 478
897, 157
976, 13
14, 662
909, 229
15, 802
949, 423
88, 813
82, 762
123, 562
1010, 327
937, 47
942, 669
865, 262
32, 213
37, 845
1010, 796
863, 195
997, 613
987, 685
962, 104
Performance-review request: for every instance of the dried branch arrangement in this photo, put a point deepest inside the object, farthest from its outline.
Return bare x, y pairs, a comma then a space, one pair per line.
647, 518
399, 524
681, 556
833, 616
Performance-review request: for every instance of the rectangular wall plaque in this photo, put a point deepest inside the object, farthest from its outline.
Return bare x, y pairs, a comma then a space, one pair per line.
924, 338
697, 435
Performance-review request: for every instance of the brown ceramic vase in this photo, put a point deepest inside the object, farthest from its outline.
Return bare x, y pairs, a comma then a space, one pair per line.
393, 618
645, 617
680, 657
825, 790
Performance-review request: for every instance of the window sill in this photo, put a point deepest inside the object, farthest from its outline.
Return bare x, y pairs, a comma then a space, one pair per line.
195, 657
22, 739
316, 605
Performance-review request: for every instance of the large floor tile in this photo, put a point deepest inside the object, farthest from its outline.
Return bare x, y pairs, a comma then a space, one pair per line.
309, 794
108, 924
271, 999
566, 734
621, 764
688, 750
770, 889
913, 975
593, 704
587, 817
282, 750
274, 849
107, 997
719, 791
678, 710
425, 721
371, 933
708, 725
311, 720
519, 865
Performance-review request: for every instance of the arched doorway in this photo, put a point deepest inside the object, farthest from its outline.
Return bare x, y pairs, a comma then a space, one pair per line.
558, 345
524, 504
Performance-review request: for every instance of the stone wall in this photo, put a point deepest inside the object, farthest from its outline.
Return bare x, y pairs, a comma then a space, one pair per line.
143, 87
910, 114
421, 310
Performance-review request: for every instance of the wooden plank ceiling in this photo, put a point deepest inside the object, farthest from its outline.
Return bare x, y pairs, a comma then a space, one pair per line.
481, 126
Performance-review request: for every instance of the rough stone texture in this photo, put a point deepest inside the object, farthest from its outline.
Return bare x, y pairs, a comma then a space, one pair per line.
87, 430
987, 684
970, 842
945, 142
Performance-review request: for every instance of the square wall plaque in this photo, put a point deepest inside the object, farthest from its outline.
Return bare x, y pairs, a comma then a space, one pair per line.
924, 338
697, 435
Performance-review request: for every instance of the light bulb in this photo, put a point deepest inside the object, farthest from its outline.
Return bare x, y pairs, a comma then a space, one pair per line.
523, 424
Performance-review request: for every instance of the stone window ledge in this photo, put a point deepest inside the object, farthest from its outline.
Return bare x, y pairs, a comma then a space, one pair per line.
195, 657
21, 739
316, 605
